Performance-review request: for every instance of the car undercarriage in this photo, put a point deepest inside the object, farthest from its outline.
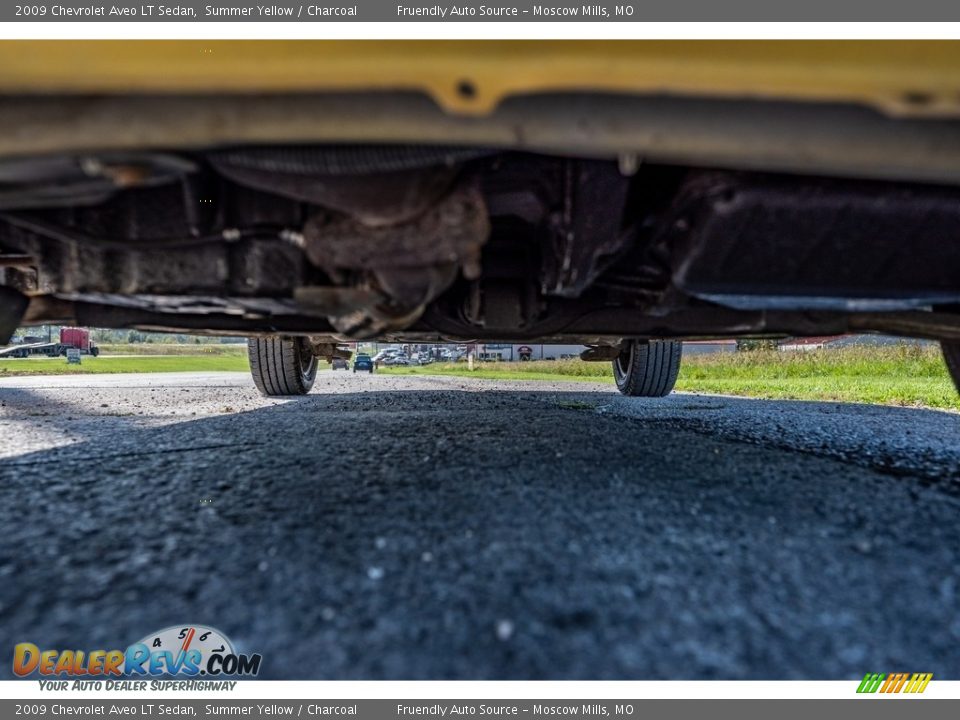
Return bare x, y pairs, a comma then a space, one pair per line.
610, 220
432, 242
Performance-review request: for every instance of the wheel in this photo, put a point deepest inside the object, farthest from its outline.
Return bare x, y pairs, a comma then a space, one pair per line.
647, 368
951, 355
282, 365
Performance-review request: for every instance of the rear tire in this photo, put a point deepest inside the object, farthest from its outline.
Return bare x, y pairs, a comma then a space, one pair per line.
282, 365
647, 368
951, 355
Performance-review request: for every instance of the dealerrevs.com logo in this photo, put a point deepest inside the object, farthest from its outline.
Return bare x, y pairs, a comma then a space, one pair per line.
179, 651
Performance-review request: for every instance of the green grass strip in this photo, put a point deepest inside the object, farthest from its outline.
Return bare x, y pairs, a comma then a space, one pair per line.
112, 365
906, 375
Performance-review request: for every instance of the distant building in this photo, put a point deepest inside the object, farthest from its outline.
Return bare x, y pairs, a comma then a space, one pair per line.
517, 352
705, 347
834, 341
810, 343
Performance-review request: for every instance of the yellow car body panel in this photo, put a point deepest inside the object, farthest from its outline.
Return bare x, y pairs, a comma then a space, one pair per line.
917, 78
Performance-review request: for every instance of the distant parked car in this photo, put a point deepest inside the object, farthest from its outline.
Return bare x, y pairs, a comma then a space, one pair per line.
339, 363
396, 360
363, 362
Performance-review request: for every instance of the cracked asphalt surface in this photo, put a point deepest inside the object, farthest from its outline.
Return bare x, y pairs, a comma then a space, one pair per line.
391, 527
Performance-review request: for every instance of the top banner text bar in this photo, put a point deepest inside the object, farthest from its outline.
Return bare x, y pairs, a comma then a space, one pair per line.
526, 11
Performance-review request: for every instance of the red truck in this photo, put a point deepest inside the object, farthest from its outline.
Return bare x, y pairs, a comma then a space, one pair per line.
70, 338
78, 338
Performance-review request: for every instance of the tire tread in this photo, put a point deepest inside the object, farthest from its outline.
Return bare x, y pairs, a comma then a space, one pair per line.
951, 356
654, 369
275, 366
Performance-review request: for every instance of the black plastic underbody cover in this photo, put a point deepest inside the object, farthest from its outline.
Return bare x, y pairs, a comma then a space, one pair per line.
755, 241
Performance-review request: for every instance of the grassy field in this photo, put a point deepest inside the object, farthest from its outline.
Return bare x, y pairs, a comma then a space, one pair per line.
205, 349
892, 375
538, 370
142, 364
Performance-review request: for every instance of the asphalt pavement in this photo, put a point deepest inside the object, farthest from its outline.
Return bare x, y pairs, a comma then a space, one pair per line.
397, 527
